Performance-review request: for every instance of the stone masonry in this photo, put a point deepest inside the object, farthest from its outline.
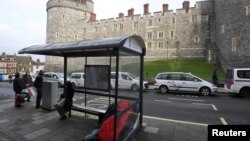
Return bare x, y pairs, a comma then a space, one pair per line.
190, 32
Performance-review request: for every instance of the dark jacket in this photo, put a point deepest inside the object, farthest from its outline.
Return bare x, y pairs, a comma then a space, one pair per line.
18, 85
27, 79
38, 82
69, 94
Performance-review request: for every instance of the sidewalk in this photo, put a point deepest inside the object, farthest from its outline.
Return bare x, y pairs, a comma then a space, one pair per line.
30, 124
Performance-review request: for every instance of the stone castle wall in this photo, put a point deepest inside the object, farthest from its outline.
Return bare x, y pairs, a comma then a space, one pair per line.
190, 32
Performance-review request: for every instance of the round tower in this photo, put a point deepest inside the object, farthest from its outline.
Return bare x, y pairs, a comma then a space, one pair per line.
65, 23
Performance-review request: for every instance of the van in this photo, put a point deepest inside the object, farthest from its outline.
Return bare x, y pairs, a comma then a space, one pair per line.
128, 81
77, 79
237, 81
182, 82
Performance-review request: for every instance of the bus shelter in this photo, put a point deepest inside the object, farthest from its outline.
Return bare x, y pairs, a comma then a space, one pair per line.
121, 54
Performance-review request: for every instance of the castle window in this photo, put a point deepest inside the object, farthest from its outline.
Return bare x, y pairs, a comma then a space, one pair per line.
57, 34
160, 45
234, 44
115, 27
222, 29
149, 45
150, 22
121, 26
173, 20
159, 20
196, 39
160, 35
135, 25
63, 16
76, 36
172, 35
194, 18
149, 36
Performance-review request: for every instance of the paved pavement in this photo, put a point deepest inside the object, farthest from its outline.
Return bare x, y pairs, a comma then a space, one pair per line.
30, 124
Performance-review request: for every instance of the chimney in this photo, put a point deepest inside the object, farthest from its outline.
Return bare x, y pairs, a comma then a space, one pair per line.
165, 8
146, 8
121, 15
92, 17
131, 12
186, 6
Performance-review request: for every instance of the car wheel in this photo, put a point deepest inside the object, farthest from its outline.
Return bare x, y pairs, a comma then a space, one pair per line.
134, 87
163, 89
205, 91
244, 92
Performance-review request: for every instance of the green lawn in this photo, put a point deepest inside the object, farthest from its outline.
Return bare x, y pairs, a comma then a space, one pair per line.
197, 67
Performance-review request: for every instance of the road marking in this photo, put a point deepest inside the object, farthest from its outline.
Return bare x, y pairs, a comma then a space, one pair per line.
212, 105
186, 99
223, 121
162, 100
176, 121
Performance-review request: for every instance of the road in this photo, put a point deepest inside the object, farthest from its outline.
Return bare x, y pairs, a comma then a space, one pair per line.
189, 108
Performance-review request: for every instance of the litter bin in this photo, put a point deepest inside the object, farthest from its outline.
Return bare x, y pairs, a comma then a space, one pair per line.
49, 98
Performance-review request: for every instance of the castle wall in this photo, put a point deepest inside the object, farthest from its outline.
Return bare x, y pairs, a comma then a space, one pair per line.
231, 28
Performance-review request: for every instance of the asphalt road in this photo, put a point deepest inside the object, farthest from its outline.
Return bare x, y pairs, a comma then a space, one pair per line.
191, 108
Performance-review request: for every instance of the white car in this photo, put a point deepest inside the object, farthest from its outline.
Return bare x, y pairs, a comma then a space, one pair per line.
182, 82
77, 79
127, 81
56, 76
238, 81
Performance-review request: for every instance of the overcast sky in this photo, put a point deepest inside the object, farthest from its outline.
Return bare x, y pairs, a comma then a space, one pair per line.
23, 22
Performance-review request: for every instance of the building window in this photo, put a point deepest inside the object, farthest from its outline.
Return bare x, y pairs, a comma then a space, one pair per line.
135, 25
159, 20
196, 39
234, 44
115, 27
149, 22
149, 35
172, 35
194, 18
63, 16
173, 20
160, 45
121, 26
222, 29
160, 35
149, 45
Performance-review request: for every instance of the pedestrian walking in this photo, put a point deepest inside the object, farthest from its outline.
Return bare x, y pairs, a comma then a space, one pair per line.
18, 87
38, 85
27, 82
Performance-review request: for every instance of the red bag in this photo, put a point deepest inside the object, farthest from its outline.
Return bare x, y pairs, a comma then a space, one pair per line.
17, 101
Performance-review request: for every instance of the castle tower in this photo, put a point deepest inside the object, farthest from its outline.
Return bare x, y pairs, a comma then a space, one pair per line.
65, 20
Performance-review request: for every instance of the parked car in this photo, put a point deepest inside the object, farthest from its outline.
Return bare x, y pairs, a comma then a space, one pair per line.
237, 81
56, 76
77, 79
127, 81
182, 82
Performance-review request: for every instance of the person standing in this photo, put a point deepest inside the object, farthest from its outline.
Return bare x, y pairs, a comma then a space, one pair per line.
27, 82
214, 77
18, 87
38, 85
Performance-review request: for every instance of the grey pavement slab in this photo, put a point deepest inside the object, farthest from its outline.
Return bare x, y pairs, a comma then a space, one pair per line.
30, 124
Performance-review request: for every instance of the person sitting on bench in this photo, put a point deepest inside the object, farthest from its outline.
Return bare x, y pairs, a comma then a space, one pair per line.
68, 95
